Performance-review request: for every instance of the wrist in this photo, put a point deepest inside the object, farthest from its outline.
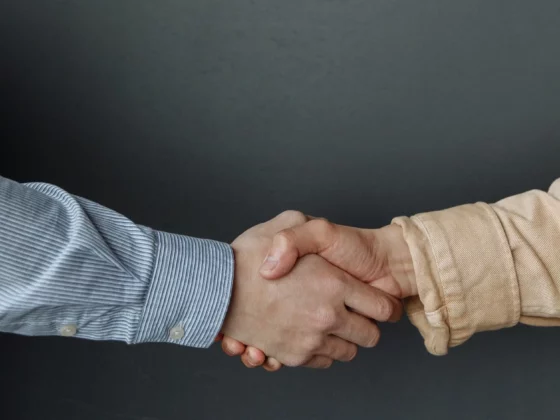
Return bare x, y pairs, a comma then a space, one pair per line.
398, 258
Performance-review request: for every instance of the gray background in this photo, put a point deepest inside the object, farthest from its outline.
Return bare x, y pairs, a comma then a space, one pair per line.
207, 116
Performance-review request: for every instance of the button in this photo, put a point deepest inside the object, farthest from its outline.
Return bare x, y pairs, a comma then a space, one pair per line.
68, 330
176, 333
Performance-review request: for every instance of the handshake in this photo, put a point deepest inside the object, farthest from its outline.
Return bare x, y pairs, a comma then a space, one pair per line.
307, 292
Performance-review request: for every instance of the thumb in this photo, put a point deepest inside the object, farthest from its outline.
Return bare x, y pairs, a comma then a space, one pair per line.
290, 244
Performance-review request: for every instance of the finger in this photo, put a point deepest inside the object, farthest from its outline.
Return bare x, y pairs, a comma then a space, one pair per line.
358, 329
338, 349
389, 285
371, 302
290, 244
272, 365
255, 356
219, 337
246, 361
232, 347
348, 248
319, 362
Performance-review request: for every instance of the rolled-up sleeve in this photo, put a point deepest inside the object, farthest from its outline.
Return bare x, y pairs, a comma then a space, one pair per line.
69, 266
482, 267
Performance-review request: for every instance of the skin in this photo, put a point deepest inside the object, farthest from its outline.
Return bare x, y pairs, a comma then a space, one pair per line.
378, 257
318, 313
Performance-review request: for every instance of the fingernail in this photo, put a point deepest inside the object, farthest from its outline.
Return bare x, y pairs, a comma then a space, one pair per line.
270, 263
251, 357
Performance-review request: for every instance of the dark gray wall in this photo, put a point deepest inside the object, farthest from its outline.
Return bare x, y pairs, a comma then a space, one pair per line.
207, 116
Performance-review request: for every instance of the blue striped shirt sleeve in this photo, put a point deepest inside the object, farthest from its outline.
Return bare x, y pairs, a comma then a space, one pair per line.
66, 261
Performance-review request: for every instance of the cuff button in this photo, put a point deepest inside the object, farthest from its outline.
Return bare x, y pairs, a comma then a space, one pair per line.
176, 333
68, 330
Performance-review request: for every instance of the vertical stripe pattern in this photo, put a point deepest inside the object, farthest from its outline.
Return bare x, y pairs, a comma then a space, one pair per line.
65, 260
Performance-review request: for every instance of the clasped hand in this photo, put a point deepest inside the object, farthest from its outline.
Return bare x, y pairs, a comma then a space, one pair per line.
311, 301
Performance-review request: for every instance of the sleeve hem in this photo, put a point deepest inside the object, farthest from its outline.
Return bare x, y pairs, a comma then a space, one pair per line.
465, 273
190, 291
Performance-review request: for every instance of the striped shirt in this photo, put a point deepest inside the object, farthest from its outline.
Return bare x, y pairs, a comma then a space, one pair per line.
69, 266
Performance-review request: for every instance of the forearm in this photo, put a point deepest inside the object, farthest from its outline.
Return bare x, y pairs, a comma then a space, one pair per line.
65, 261
483, 267
531, 222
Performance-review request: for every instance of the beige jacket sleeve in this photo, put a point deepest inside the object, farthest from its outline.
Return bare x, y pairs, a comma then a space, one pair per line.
482, 267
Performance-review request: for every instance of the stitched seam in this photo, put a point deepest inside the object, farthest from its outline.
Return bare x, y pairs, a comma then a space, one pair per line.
142, 315
512, 274
437, 266
542, 310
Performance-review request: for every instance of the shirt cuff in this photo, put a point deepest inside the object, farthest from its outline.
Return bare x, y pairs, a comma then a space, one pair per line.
190, 290
465, 275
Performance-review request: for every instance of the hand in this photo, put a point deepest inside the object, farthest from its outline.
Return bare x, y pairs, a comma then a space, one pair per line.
316, 314
379, 257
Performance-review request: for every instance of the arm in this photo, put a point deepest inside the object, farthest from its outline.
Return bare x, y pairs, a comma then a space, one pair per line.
72, 267
484, 267
69, 266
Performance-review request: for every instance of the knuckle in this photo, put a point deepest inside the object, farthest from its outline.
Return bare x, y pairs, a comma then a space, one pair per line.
325, 227
335, 285
295, 361
293, 216
325, 318
311, 344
